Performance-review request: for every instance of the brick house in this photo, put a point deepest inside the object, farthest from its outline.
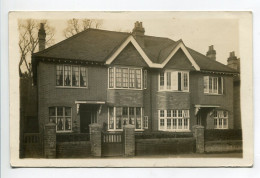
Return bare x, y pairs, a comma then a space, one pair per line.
116, 78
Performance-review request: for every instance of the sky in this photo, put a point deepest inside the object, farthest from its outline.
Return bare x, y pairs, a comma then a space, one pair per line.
197, 30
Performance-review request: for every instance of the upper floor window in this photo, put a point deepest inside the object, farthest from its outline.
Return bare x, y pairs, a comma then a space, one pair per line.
220, 119
174, 81
71, 76
213, 85
62, 117
124, 77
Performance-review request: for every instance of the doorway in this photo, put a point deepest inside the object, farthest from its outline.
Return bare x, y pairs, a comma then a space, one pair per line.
88, 115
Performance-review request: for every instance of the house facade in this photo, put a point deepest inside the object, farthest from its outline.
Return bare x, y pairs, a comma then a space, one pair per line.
115, 79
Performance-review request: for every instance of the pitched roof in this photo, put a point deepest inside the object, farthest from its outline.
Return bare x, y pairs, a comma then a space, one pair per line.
97, 45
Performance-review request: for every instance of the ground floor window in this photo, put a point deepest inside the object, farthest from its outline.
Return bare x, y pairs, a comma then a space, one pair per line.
62, 116
220, 119
119, 116
174, 120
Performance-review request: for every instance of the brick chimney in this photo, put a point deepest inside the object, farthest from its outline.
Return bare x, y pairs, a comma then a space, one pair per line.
138, 33
233, 61
211, 53
42, 36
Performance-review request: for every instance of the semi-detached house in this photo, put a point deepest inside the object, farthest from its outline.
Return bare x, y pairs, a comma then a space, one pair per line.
116, 78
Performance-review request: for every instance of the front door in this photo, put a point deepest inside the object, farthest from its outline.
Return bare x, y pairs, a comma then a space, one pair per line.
85, 120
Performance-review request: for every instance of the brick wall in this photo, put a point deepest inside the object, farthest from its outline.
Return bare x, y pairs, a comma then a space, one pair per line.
225, 101
237, 112
76, 149
223, 146
50, 95
164, 146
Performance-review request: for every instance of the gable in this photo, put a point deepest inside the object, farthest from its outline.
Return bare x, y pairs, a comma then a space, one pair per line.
129, 56
179, 61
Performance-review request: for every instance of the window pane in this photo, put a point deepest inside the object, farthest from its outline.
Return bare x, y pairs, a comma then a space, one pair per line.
52, 111
185, 81
132, 115
206, 84
111, 118
52, 119
60, 111
138, 78
145, 121
174, 112
131, 78
67, 111
185, 123
67, 76
169, 113
215, 114
161, 123
210, 85
125, 78
161, 113
125, 115
60, 124
145, 79
169, 123
168, 74
68, 123
220, 123
225, 123
59, 75
161, 80
215, 85
179, 113
138, 118
174, 124
179, 123
111, 77
83, 76
75, 76
119, 118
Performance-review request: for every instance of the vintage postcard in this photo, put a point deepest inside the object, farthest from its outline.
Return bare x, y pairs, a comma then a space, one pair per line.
131, 89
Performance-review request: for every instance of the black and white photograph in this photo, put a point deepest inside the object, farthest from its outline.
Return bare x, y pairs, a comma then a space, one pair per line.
130, 87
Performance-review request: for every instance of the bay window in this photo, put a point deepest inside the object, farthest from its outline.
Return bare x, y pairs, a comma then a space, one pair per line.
174, 120
213, 85
174, 81
130, 78
124, 116
71, 76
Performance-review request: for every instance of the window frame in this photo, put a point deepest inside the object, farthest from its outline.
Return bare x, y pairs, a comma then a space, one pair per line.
220, 118
129, 86
168, 81
63, 116
176, 120
71, 75
210, 81
134, 122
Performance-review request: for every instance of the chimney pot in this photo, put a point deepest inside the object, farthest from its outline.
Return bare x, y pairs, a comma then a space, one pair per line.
233, 61
211, 53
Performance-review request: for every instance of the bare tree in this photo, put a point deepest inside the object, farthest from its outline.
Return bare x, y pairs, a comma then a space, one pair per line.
28, 40
75, 26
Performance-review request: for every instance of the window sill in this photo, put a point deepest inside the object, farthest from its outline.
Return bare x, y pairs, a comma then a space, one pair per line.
124, 89
120, 130
175, 130
212, 94
221, 128
68, 87
174, 91
69, 131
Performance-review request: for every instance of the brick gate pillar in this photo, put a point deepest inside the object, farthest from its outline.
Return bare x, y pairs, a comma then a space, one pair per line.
50, 140
95, 139
199, 136
129, 140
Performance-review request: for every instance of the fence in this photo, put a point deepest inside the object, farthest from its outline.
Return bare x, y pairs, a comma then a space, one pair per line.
112, 144
32, 145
